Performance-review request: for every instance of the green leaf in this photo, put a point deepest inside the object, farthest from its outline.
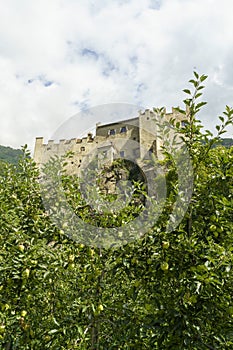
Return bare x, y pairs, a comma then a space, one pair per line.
222, 119
201, 104
203, 77
196, 75
198, 95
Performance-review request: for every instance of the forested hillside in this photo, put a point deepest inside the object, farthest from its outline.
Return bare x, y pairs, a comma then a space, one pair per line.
227, 142
10, 155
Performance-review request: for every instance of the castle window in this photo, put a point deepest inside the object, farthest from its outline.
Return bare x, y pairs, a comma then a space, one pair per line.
82, 148
112, 132
123, 129
122, 154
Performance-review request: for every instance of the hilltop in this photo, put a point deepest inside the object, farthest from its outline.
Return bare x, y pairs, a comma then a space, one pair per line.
9, 155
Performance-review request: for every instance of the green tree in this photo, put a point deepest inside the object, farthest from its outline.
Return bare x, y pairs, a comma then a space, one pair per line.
167, 290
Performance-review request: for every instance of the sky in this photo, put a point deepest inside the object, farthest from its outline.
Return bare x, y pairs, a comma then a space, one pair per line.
60, 57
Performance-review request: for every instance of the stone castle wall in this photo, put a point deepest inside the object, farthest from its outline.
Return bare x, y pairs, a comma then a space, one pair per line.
130, 138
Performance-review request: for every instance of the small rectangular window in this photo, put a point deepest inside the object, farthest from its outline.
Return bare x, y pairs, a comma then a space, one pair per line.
123, 129
112, 132
82, 148
122, 154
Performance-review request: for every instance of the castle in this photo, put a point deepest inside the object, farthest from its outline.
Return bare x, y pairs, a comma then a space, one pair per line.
132, 139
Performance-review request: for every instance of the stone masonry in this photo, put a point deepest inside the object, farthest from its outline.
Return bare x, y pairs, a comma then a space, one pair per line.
131, 139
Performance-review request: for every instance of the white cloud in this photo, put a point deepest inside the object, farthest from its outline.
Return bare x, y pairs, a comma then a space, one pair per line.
89, 53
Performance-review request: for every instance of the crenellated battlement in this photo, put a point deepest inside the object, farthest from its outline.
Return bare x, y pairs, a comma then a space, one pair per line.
141, 130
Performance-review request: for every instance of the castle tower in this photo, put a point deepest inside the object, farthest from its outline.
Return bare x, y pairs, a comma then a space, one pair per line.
38, 151
147, 133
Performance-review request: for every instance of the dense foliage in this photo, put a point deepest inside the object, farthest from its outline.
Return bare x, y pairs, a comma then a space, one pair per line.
10, 155
164, 291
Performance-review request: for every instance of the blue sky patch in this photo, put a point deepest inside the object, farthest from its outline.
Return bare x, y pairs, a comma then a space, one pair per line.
42, 79
90, 53
155, 4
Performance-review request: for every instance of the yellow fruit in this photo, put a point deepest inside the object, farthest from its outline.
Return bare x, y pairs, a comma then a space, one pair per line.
165, 244
100, 307
71, 266
164, 266
26, 273
23, 313
212, 217
6, 307
2, 328
71, 258
21, 247
92, 252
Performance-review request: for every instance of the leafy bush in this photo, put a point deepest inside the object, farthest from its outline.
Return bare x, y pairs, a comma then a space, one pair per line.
164, 291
